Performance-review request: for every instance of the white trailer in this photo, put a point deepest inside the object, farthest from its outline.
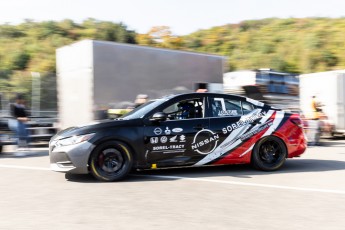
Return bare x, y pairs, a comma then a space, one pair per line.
93, 74
233, 81
278, 89
329, 90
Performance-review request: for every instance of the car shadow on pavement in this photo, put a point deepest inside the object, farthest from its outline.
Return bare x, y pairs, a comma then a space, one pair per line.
81, 178
246, 171
228, 171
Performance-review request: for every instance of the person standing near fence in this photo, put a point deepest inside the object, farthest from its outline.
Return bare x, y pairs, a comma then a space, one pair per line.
20, 115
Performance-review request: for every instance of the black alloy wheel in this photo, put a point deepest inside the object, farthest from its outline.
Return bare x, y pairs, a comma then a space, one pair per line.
111, 161
269, 154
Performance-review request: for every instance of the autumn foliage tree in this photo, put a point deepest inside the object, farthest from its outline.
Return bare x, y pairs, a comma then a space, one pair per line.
293, 45
160, 36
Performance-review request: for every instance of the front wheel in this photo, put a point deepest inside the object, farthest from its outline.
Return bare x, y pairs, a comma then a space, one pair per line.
269, 154
111, 161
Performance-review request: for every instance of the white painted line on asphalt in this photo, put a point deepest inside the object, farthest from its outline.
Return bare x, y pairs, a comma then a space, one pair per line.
23, 167
204, 180
247, 184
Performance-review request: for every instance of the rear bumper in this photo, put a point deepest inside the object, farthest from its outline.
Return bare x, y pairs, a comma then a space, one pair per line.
297, 146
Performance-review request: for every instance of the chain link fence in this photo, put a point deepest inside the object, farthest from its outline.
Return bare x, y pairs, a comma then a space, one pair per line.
39, 90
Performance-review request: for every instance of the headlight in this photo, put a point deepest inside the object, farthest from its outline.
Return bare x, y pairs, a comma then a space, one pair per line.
74, 140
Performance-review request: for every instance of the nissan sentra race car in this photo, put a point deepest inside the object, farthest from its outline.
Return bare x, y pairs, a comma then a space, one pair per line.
196, 129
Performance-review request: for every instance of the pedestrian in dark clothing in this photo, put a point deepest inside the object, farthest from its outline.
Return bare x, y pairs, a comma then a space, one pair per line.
20, 118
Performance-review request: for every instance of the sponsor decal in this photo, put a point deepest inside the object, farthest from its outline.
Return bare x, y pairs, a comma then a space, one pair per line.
243, 122
245, 136
175, 151
256, 131
160, 148
176, 146
173, 139
205, 141
177, 130
239, 136
182, 138
164, 139
224, 113
157, 131
168, 147
154, 140
167, 131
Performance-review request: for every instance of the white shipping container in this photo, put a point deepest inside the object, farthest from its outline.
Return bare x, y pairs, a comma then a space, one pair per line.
93, 74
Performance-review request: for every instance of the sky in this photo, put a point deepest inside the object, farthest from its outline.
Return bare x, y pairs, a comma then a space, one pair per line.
182, 16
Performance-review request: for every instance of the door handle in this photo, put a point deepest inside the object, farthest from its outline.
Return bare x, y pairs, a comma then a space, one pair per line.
199, 127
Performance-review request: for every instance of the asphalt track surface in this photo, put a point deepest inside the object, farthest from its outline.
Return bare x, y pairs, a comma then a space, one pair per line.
307, 193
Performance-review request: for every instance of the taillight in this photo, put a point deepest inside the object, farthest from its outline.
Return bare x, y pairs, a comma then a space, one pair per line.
297, 121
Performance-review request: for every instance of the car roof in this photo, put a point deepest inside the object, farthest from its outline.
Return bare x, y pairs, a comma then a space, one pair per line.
194, 94
202, 94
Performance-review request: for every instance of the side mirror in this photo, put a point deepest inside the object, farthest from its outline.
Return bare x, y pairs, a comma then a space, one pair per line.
159, 116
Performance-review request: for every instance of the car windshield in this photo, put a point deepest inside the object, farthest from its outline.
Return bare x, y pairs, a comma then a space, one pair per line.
142, 110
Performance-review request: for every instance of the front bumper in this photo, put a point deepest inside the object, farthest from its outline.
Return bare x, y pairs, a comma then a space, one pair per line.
70, 159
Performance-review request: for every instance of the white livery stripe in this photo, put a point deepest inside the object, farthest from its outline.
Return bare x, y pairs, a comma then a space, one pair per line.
247, 151
233, 140
277, 120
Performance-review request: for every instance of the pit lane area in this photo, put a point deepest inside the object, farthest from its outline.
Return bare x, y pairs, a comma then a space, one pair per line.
307, 193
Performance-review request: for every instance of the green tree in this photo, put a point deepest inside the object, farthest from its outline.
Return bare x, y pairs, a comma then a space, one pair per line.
21, 61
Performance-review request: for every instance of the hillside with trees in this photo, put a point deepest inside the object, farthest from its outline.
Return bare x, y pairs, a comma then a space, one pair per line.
292, 45
30, 47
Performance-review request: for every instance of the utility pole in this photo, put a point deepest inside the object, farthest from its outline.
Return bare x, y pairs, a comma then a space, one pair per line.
36, 93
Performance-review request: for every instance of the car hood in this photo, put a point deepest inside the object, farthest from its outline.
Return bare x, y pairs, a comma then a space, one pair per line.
95, 127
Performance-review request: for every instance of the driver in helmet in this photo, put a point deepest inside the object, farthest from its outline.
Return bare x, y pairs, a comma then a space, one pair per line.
186, 110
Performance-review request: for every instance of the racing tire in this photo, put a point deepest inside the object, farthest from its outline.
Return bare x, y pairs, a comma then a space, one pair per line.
111, 161
269, 154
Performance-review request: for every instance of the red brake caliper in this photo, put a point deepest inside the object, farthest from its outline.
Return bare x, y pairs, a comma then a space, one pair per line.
101, 160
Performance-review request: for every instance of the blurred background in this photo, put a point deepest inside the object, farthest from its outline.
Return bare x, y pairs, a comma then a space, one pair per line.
78, 61
271, 43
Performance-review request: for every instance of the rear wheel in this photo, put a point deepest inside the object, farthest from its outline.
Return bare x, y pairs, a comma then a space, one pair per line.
269, 154
111, 161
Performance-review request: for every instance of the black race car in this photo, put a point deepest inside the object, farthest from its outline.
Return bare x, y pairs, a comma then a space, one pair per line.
193, 129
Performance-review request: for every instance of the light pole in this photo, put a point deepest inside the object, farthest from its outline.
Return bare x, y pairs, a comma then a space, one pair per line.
36, 93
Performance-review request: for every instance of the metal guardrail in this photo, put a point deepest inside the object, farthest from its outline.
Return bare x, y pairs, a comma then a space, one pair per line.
43, 113
40, 129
